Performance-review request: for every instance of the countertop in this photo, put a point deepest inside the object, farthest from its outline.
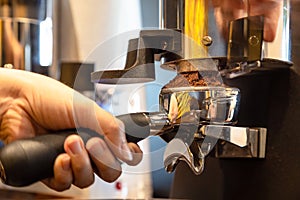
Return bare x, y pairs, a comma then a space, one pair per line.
16, 195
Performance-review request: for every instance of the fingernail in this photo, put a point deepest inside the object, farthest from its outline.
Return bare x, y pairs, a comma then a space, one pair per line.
66, 163
75, 147
126, 152
95, 147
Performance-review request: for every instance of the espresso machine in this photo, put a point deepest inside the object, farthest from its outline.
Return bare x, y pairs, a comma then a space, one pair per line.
234, 140
269, 97
224, 116
206, 107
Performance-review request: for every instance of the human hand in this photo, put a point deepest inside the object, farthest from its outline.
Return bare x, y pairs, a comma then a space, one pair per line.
32, 104
228, 10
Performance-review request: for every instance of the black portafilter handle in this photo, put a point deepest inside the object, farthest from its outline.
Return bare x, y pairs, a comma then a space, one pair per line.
26, 161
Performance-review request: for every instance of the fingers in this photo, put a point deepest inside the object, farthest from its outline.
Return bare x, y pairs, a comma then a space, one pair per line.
271, 15
107, 166
63, 177
116, 141
126, 152
228, 10
89, 115
270, 29
137, 154
72, 167
82, 170
95, 118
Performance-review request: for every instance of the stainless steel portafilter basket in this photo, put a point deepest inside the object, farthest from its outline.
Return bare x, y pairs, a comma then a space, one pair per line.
210, 104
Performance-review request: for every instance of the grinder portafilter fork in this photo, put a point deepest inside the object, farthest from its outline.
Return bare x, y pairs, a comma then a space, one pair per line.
244, 142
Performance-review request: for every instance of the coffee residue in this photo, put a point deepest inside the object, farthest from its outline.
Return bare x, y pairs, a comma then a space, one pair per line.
194, 78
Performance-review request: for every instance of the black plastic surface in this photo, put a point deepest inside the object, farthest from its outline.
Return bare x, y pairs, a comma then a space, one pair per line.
137, 126
27, 161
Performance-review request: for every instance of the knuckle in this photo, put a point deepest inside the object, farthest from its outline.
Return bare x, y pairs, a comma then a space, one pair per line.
57, 184
111, 177
85, 182
79, 168
62, 187
114, 126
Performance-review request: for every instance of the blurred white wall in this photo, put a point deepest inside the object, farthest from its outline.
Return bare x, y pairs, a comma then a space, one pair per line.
87, 23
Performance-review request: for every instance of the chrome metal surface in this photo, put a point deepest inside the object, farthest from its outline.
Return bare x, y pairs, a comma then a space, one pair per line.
240, 69
171, 14
217, 105
213, 110
26, 34
177, 150
235, 135
281, 47
32, 11
252, 140
255, 146
234, 142
245, 40
219, 64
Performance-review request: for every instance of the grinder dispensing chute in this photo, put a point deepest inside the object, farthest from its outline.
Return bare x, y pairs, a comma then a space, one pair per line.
202, 120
